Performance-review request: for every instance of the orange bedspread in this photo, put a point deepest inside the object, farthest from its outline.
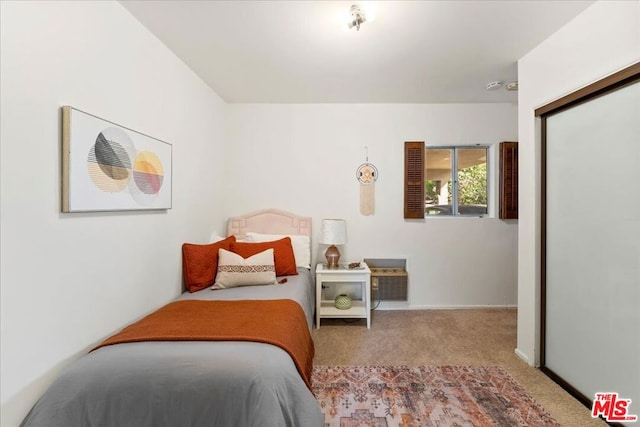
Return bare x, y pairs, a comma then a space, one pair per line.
277, 322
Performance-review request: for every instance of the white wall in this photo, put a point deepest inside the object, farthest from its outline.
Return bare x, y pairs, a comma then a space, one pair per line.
303, 158
603, 39
69, 280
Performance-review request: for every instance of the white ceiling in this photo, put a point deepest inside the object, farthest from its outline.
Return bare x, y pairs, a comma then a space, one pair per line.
299, 51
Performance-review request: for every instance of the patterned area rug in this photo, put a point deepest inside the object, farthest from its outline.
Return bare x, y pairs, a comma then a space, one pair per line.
438, 396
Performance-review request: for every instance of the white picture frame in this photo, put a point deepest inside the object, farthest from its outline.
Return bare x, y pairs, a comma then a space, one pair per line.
108, 167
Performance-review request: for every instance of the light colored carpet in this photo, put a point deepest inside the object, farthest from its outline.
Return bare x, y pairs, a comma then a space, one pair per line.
444, 337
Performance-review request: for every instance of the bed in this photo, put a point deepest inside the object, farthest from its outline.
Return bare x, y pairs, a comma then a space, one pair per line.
198, 382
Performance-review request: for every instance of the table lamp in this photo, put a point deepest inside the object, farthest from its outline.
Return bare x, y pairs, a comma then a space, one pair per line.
333, 232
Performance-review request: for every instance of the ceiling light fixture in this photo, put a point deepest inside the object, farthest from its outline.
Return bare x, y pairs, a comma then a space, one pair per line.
357, 17
494, 85
513, 86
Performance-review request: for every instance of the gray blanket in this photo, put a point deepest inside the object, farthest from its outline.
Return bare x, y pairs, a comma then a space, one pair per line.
187, 383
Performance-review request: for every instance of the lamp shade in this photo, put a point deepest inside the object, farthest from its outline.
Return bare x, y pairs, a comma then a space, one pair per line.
333, 232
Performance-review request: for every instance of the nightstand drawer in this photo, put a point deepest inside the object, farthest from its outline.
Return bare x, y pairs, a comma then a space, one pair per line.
344, 277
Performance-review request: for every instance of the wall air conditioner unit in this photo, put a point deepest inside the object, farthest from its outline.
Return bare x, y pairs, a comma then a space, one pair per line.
389, 279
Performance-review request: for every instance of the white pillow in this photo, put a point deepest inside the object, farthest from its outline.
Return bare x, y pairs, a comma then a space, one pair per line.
233, 270
215, 237
301, 245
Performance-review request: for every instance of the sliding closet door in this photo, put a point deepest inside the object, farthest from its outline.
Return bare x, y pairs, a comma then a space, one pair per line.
592, 261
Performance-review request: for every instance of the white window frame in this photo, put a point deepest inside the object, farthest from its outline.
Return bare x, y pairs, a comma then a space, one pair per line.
491, 176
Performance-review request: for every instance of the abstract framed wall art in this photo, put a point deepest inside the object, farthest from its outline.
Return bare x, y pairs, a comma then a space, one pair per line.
108, 167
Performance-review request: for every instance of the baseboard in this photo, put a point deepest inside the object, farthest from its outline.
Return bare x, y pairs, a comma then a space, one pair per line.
523, 356
384, 305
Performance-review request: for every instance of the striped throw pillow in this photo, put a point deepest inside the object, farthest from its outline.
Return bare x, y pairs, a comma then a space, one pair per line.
233, 270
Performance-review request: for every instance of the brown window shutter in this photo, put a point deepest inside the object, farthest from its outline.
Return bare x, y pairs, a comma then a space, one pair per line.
509, 180
414, 179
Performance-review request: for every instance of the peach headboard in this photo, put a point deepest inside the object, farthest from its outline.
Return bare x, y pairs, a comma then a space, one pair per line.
269, 221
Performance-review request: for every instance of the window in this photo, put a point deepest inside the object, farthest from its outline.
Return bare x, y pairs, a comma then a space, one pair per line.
453, 180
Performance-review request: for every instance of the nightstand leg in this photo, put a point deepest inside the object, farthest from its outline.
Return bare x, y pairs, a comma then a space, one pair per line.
367, 289
318, 299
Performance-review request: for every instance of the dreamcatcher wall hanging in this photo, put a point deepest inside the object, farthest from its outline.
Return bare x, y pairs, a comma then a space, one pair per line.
367, 175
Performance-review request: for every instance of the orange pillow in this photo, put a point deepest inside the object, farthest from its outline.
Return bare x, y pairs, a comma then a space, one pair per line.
282, 253
200, 263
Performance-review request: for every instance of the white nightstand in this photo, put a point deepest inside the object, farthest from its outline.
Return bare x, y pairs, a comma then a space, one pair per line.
360, 308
